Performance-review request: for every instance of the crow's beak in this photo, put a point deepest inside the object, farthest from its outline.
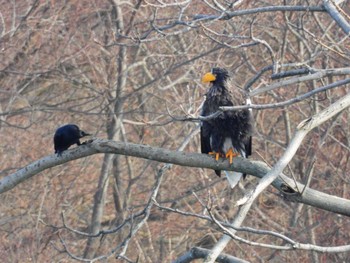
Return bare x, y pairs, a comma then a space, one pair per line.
83, 134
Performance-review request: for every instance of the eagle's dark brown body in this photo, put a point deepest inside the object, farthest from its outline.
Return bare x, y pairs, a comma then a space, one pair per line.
231, 129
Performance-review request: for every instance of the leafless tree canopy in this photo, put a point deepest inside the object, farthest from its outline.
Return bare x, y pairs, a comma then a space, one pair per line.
129, 73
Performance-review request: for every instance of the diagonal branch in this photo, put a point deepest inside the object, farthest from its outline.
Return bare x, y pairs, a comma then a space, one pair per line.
331, 9
302, 130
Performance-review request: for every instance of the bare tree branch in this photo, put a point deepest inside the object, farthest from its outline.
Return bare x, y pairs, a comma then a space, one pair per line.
316, 74
302, 130
291, 244
333, 12
288, 102
284, 184
197, 253
229, 15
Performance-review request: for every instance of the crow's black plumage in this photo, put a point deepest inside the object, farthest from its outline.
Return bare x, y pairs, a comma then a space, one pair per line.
229, 134
66, 136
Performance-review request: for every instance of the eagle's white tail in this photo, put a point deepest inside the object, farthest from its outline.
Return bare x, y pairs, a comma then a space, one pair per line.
233, 178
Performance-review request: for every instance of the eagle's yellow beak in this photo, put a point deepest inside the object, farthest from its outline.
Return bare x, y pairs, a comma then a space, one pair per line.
208, 77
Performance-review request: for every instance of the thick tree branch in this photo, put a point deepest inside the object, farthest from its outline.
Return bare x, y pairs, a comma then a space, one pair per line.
333, 12
284, 184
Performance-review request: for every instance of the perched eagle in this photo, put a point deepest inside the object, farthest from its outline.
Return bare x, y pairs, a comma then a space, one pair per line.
229, 134
66, 136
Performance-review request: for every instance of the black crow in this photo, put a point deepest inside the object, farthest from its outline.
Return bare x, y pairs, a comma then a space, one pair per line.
229, 134
66, 136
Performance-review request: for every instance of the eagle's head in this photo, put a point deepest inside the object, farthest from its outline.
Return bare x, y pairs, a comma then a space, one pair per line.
216, 76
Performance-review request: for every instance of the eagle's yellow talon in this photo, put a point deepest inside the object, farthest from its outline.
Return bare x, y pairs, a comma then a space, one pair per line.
230, 154
217, 155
